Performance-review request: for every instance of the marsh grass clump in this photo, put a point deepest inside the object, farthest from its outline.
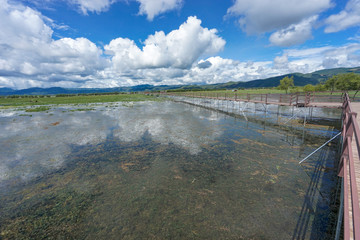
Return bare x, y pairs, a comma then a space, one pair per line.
128, 104
82, 109
38, 109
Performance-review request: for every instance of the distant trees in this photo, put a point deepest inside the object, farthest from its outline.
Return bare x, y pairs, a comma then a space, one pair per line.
320, 87
312, 88
344, 82
286, 83
309, 88
330, 83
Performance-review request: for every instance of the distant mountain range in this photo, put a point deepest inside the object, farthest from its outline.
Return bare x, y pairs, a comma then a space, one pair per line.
299, 80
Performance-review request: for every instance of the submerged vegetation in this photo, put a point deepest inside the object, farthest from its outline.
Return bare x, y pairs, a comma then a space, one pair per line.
160, 170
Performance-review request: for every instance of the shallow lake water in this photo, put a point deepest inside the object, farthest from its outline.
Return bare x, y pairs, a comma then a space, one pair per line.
160, 170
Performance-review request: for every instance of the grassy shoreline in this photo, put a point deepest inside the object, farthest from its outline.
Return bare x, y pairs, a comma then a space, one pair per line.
80, 99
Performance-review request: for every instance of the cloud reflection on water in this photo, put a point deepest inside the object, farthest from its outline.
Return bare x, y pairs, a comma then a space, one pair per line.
31, 146
166, 123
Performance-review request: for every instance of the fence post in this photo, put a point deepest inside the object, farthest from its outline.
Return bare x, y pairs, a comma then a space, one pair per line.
313, 98
297, 99
344, 153
350, 129
266, 98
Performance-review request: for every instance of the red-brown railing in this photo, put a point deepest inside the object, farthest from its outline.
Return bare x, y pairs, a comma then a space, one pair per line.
350, 132
297, 99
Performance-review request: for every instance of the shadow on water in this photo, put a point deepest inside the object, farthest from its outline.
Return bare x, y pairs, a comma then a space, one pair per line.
317, 218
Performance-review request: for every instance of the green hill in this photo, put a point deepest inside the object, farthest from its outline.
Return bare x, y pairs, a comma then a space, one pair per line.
299, 80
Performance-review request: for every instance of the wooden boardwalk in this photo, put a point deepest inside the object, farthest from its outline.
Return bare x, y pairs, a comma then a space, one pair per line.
325, 105
356, 108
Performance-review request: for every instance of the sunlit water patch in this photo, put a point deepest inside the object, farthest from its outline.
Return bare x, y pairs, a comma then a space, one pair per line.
159, 170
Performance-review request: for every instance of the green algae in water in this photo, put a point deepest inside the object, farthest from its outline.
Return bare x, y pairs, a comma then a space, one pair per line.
156, 171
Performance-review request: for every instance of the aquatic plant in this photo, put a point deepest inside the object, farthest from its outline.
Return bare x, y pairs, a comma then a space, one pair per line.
38, 109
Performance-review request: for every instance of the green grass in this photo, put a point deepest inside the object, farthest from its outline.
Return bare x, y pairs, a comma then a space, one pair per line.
16, 102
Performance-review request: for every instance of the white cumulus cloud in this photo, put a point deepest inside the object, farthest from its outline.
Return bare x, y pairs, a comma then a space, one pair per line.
349, 17
281, 62
294, 34
313, 59
27, 50
22, 27
178, 49
31, 57
152, 8
259, 16
97, 6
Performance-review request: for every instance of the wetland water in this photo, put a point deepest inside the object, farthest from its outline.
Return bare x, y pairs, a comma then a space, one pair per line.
160, 170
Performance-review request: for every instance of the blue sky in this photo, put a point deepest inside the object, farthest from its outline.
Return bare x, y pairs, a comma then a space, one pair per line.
110, 43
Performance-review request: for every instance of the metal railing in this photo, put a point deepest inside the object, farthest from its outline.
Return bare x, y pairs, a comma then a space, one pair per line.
351, 210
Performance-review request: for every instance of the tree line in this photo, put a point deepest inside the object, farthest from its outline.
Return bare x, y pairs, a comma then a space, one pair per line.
339, 82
